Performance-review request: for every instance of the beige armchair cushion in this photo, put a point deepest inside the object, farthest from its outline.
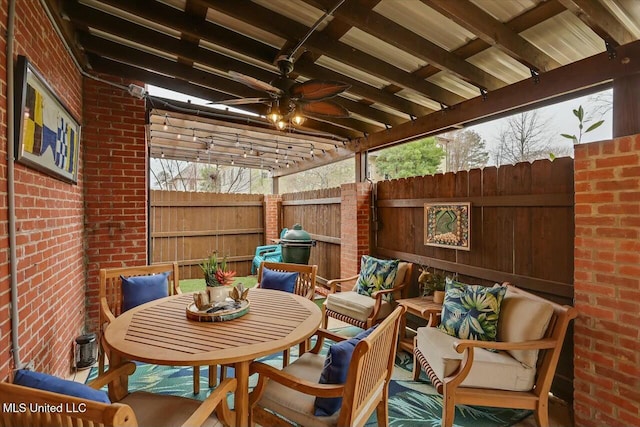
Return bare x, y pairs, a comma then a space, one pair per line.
292, 404
356, 306
523, 319
490, 370
175, 410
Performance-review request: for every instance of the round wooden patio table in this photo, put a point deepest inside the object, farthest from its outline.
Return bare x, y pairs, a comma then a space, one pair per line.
159, 332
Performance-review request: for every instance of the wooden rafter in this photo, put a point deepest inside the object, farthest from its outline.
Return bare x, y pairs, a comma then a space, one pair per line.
494, 32
600, 20
261, 17
404, 39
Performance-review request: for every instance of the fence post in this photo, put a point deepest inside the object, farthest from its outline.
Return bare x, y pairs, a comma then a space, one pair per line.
355, 226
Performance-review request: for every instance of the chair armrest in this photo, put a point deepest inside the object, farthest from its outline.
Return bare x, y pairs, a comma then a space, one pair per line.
298, 384
541, 344
217, 401
382, 292
125, 369
334, 284
322, 334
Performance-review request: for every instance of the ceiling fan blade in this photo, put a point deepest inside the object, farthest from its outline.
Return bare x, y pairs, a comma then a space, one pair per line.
317, 90
241, 101
254, 83
325, 109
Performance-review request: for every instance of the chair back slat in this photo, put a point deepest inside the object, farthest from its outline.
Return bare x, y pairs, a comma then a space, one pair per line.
370, 371
111, 283
306, 281
91, 414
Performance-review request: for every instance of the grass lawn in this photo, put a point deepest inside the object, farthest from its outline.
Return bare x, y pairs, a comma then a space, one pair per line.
191, 285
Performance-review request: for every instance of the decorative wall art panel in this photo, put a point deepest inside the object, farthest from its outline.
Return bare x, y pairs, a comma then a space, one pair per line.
446, 225
47, 136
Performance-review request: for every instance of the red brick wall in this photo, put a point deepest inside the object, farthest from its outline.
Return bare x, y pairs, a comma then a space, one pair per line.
115, 181
272, 220
607, 283
49, 217
355, 214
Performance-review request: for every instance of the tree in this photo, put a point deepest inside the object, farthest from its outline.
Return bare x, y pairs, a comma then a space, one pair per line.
422, 157
526, 137
465, 150
327, 176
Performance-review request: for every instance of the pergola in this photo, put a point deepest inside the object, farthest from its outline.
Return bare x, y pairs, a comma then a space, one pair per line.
415, 67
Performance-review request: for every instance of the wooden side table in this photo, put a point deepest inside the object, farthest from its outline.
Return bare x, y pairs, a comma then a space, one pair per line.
423, 307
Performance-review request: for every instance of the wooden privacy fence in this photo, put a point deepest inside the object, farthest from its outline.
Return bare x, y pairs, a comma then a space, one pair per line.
522, 230
318, 212
186, 227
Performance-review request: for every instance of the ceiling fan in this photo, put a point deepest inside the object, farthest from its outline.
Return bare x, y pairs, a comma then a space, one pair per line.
291, 101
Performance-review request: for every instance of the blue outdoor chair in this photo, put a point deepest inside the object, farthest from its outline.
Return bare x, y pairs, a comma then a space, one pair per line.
270, 253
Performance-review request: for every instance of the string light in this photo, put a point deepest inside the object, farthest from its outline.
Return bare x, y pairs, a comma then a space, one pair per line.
165, 127
194, 135
162, 154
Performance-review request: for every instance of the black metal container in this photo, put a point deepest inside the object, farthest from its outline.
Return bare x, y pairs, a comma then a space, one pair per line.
296, 245
86, 351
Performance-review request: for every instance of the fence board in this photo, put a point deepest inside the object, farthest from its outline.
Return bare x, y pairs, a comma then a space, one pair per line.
186, 227
521, 230
318, 212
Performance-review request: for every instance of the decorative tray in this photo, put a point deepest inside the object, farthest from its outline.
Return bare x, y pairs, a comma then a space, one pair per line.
227, 310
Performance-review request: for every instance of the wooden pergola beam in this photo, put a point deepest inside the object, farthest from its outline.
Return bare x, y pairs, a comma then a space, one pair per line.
261, 17
408, 41
494, 32
600, 20
579, 75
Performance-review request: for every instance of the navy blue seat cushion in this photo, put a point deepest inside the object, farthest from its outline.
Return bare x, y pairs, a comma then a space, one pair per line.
336, 366
278, 280
47, 382
138, 290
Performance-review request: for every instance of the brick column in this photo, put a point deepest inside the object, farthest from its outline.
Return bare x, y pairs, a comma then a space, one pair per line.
607, 283
272, 220
115, 165
355, 226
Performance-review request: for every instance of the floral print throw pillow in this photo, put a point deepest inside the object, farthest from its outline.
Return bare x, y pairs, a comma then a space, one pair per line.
376, 274
471, 311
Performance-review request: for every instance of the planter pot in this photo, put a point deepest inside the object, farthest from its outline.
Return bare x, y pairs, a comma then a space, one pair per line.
438, 297
218, 293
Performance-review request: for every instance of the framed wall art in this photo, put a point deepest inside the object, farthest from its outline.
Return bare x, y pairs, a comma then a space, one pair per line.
47, 135
446, 225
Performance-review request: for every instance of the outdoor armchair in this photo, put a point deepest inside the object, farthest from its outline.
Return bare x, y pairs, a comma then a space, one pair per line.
305, 285
272, 253
137, 408
530, 334
112, 304
345, 304
292, 391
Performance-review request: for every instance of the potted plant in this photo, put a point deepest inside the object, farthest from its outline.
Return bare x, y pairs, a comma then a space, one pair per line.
217, 275
432, 284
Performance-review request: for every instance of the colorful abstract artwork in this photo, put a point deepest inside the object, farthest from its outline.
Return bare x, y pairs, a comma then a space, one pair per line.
447, 225
47, 135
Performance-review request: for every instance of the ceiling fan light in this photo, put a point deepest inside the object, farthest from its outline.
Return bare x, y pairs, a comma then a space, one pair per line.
298, 119
281, 125
274, 115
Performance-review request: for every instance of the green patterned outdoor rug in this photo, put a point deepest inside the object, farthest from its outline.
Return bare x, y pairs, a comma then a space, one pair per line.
411, 403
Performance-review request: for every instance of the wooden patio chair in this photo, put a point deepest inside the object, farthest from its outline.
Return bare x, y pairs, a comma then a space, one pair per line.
138, 408
305, 286
530, 334
292, 391
111, 304
344, 304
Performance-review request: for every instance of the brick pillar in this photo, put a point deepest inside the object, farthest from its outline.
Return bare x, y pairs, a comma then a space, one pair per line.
272, 220
115, 170
607, 283
355, 226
